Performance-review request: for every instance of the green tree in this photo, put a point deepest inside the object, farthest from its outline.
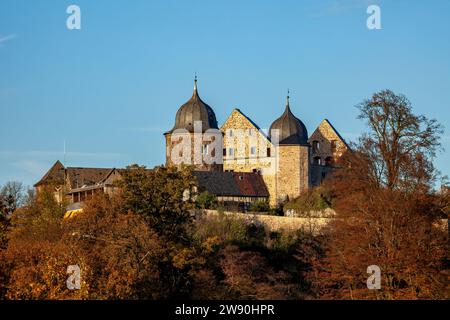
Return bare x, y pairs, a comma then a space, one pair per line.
259, 206
162, 195
205, 200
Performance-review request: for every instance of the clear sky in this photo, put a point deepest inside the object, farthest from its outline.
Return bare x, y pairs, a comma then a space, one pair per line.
111, 89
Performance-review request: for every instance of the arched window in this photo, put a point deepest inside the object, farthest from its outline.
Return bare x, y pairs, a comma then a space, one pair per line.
316, 146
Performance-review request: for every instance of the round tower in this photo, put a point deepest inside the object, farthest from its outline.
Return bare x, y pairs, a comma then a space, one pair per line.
289, 136
195, 138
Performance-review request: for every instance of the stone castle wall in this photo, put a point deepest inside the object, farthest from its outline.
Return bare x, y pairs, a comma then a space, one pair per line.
195, 156
325, 134
293, 176
241, 142
280, 223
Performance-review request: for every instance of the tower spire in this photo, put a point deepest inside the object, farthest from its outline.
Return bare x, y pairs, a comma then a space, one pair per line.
287, 99
195, 82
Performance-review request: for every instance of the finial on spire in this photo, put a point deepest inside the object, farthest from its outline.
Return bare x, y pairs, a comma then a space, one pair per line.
195, 82
287, 99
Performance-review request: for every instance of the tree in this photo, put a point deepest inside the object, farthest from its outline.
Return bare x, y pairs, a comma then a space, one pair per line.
118, 254
162, 195
388, 213
205, 200
165, 198
12, 196
400, 144
134, 244
4, 223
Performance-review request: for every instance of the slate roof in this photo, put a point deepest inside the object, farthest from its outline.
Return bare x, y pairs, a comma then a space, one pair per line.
54, 175
239, 184
77, 177
291, 129
195, 110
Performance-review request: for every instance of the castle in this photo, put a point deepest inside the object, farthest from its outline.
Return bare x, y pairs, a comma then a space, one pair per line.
288, 166
238, 162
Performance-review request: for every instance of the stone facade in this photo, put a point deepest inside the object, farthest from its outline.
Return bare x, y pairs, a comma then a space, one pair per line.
288, 161
293, 176
326, 147
251, 150
206, 158
279, 223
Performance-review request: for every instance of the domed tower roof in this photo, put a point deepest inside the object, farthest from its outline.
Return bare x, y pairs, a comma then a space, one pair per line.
291, 129
195, 110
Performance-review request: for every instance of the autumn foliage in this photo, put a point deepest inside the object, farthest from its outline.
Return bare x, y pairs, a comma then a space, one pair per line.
389, 215
151, 240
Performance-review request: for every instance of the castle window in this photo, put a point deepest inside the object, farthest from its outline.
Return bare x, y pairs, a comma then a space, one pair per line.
230, 151
329, 161
334, 145
253, 151
224, 152
230, 132
317, 161
205, 149
316, 146
268, 152
250, 132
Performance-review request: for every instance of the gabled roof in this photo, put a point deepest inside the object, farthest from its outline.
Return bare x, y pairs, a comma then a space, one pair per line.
248, 119
54, 175
79, 177
76, 177
327, 122
238, 184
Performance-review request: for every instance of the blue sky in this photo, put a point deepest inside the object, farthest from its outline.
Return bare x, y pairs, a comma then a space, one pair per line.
112, 88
